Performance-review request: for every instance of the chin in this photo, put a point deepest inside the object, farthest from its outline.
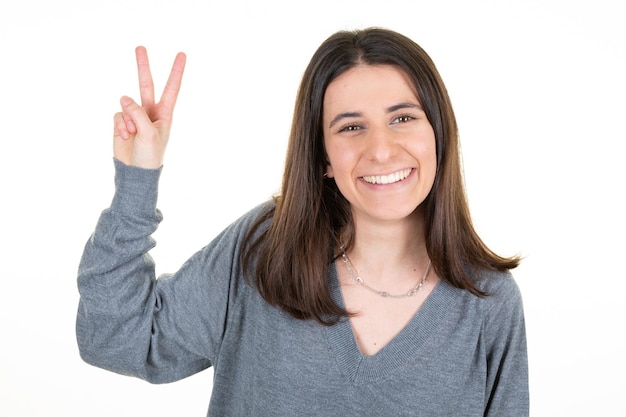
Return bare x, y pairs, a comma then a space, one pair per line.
395, 213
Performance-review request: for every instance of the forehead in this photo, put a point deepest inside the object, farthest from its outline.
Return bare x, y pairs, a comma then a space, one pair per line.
366, 85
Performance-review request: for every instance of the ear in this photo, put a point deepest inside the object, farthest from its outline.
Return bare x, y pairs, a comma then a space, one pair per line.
329, 172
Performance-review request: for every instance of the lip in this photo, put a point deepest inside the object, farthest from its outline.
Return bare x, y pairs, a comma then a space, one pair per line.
390, 179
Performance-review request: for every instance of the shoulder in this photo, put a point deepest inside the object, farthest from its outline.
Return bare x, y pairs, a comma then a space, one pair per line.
258, 217
503, 295
232, 240
503, 303
497, 284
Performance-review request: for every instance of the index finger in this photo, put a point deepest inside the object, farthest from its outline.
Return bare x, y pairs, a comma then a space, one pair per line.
172, 87
146, 85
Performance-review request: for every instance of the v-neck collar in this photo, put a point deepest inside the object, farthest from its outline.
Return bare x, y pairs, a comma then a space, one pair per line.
404, 348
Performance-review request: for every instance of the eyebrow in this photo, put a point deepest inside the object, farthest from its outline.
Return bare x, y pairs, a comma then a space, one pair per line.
407, 105
391, 109
344, 116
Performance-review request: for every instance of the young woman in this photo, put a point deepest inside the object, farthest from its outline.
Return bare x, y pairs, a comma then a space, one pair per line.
362, 290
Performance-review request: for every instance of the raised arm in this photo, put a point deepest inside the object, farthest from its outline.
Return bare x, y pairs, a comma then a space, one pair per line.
141, 132
129, 321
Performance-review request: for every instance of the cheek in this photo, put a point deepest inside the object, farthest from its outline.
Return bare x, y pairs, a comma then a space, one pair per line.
424, 150
430, 153
426, 153
330, 173
430, 157
339, 160
431, 163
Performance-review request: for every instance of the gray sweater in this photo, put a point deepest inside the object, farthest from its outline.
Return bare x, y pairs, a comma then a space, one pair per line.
460, 355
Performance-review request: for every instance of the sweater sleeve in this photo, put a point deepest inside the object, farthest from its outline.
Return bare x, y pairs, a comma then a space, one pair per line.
132, 323
507, 361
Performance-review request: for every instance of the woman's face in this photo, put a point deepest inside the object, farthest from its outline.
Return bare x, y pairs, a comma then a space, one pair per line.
380, 145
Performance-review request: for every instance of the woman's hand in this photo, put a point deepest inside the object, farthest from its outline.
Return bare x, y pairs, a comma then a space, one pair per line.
141, 132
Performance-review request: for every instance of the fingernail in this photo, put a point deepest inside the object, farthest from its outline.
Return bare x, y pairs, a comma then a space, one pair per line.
126, 101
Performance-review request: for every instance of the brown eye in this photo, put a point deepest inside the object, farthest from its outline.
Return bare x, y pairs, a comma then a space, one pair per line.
350, 128
403, 119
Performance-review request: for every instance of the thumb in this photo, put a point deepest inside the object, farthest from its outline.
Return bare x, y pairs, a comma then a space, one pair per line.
136, 115
145, 149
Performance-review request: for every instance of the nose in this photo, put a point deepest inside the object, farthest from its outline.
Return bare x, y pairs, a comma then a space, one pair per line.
381, 144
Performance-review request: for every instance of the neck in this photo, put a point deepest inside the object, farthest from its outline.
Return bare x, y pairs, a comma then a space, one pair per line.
392, 249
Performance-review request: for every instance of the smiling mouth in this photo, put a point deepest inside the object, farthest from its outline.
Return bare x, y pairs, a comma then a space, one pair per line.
388, 179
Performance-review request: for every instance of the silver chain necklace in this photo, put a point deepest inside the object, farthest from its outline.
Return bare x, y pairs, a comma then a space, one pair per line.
359, 281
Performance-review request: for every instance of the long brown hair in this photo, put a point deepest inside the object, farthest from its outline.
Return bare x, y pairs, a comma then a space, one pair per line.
288, 261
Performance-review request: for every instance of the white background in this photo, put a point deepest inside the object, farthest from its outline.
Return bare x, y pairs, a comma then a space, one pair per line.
538, 88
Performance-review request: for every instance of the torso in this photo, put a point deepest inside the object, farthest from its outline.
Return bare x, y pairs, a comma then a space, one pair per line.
379, 319
435, 364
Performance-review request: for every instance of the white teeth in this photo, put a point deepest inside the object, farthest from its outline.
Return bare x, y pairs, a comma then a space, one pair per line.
387, 179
